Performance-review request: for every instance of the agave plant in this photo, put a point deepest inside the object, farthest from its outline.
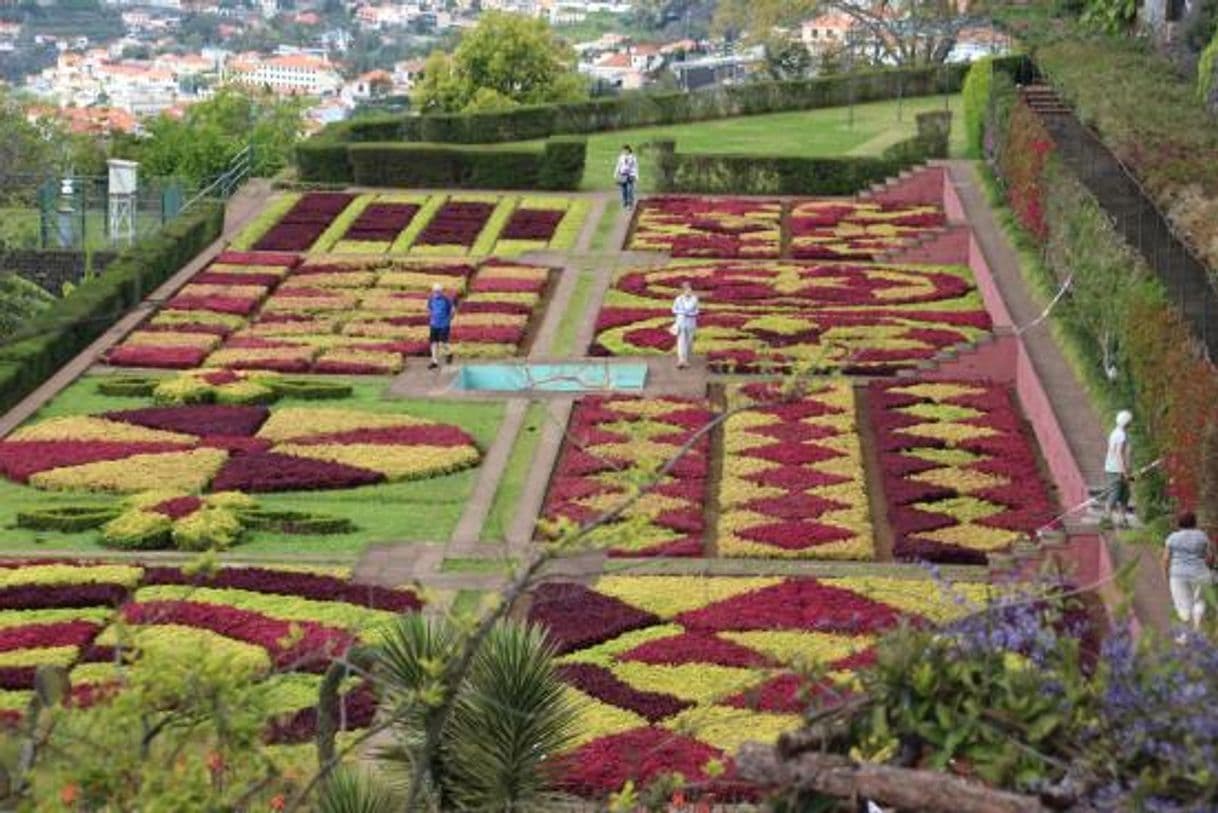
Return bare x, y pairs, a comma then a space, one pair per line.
351, 791
510, 717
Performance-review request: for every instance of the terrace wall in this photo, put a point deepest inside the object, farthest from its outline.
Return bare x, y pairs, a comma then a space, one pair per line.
51, 268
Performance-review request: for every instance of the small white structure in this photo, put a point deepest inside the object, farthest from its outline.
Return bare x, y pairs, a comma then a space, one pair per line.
124, 183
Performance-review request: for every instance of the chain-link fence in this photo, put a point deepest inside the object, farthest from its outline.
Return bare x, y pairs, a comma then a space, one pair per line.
79, 212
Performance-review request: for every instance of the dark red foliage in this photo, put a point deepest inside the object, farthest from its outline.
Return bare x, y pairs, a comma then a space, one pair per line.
166, 358
397, 435
382, 221
532, 224
17, 678
578, 617
35, 636
269, 471
258, 258
300, 227
456, 224
357, 708
197, 419
599, 682
49, 596
306, 585
797, 603
696, 647
178, 507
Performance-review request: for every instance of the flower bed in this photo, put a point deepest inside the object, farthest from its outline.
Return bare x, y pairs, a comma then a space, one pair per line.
757, 316
793, 484
217, 301
277, 626
611, 443
832, 229
231, 448
541, 223
674, 673
301, 225
709, 227
960, 474
455, 227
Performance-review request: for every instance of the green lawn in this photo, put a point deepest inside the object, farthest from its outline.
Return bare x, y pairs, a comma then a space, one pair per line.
422, 510
824, 132
507, 496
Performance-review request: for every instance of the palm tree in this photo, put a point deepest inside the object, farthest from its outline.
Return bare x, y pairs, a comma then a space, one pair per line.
511, 715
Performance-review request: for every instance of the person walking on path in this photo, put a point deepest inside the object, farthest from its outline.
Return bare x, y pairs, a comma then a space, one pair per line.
626, 174
1187, 558
439, 318
685, 323
1118, 466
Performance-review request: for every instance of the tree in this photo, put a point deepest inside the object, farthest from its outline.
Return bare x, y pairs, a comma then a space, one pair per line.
201, 144
758, 18
786, 57
906, 32
517, 59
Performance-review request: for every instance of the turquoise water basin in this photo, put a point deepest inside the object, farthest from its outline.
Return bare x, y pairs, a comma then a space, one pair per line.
567, 377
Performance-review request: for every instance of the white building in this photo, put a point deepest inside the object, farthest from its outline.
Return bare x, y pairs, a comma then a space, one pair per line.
298, 74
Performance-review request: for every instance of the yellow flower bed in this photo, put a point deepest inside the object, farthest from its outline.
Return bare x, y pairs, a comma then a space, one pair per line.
186, 471
60, 574
84, 427
395, 462
299, 422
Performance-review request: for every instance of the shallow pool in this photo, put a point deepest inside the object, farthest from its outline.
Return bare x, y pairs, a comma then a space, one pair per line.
569, 377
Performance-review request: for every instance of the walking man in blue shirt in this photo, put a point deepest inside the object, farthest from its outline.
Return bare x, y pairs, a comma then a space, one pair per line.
440, 318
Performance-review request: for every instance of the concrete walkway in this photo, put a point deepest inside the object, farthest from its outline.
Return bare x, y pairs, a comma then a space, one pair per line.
1084, 428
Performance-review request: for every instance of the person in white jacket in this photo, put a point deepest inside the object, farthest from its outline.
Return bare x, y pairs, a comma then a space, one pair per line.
626, 174
685, 324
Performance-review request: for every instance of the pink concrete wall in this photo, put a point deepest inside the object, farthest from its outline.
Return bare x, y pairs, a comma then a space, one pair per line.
990, 294
951, 201
1071, 484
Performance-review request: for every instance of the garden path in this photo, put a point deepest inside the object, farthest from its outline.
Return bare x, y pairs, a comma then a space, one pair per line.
1083, 427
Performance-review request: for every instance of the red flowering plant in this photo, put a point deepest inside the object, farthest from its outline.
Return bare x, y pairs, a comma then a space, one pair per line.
300, 227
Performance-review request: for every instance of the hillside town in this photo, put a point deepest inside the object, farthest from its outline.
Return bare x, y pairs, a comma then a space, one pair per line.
356, 55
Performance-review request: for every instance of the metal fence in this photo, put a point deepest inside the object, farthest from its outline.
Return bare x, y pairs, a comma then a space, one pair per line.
1185, 277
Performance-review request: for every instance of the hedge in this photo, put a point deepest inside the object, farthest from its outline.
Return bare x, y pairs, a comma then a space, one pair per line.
644, 109
66, 328
559, 164
1116, 314
772, 175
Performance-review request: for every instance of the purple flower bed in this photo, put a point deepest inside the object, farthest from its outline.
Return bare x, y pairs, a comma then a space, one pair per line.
578, 617
357, 708
268, 471
599, 682
306, 585
456, 224
202, 419
303, 224
51, 596
382, 221
532, 224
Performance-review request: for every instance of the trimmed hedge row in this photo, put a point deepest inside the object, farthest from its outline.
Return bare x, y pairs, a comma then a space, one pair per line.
559, 164
641, 110
771, 175
71, 324
638, 110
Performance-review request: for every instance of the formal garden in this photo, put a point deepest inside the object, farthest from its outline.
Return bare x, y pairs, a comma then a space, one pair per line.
257, 520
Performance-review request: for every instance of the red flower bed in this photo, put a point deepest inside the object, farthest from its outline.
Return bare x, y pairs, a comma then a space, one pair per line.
1003, 472
532, 224
605, 764
268, 471
238, 306
357, 708
803, 604
457, 223
21, 458
382, 221
34, 636
178, 507
170, 358
304, 222
259, 258
235, 278
440, 435
587, 476
308, 643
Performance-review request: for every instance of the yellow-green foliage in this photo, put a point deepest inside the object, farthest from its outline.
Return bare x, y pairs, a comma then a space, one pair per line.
261, 224
976, 100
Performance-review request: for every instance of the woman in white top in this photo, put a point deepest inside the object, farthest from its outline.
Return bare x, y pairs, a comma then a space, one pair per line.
685, 311
626, 173
1187, 556
1118, 468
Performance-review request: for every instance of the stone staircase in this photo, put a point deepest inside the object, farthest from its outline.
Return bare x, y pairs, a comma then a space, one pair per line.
917, 185
1043, 99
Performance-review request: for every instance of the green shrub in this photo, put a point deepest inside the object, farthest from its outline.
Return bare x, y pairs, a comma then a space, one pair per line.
138, 530
207, 529
976, 101
312, 390
323, 161
1207, 65
69, 519
768, 175
53, 337
20, 301
294, 522
558, 165
135, 386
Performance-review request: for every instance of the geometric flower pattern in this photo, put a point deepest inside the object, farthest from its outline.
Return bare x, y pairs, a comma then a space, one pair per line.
676, 672
613, 442
232, 448
960, 475
709, 227
258, 618
837, 229
793, 481
757, 315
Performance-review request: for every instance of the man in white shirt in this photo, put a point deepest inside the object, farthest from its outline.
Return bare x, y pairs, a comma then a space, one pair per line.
626, 174
1119, 470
